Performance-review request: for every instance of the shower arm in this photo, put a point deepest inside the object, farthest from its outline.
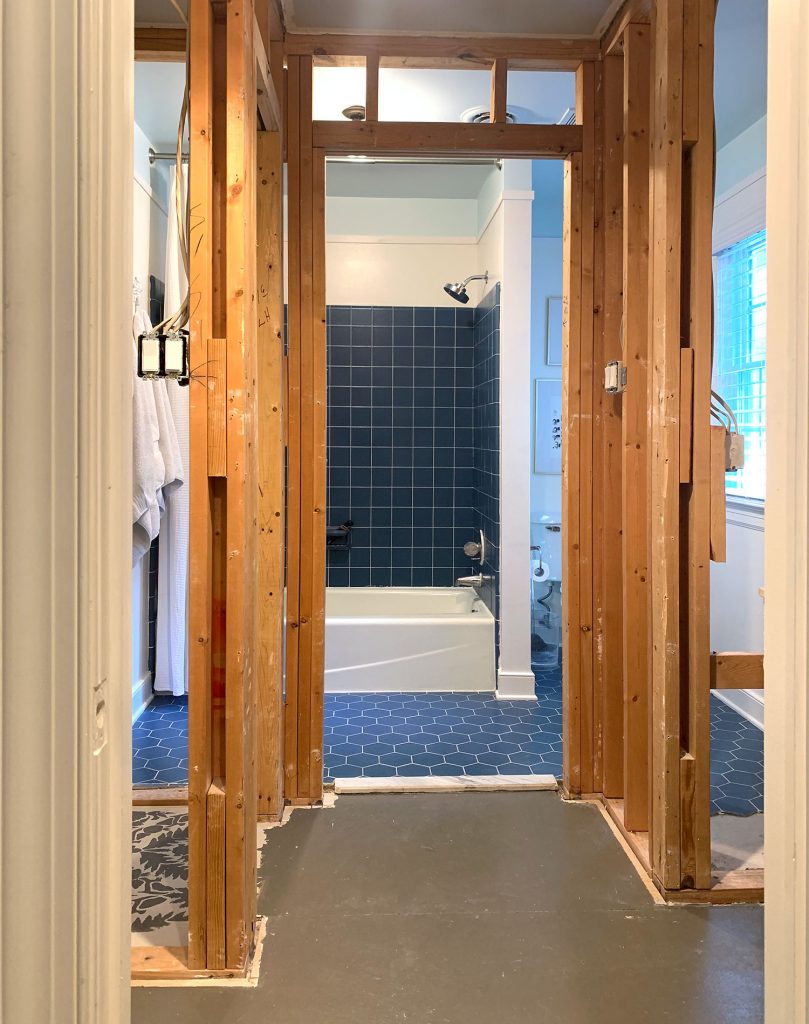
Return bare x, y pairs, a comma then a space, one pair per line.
476, 277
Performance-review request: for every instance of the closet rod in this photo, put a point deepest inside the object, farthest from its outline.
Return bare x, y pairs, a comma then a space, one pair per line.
154, 155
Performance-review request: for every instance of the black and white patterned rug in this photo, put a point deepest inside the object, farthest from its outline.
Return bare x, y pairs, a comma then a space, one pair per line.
159, 877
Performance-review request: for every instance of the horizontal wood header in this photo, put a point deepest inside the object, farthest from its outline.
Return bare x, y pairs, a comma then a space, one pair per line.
418, 51
405, 138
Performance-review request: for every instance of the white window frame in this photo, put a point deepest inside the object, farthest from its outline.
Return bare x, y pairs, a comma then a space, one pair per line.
739, 212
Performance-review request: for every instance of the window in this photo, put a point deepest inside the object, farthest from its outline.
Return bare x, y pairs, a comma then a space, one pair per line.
740, 345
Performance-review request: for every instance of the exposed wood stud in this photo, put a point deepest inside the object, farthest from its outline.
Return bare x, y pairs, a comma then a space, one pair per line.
552, 53
217, 394
165, 44
665, 846
499, 92
399, 138
270, 399
686, 413
216, 875
372, 87
732, 670
200, 588
608, 452
635, 432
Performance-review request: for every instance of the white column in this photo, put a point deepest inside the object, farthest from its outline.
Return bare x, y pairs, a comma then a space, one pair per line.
786, 608
65, 497
514, 676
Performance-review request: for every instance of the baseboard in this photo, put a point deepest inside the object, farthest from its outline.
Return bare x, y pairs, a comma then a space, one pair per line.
516, 686
142, 694
747, 702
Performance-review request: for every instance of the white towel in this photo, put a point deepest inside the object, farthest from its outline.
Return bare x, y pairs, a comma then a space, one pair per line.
148, 468
171, 671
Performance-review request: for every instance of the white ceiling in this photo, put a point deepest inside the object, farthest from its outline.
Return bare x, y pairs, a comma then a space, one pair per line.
469, 17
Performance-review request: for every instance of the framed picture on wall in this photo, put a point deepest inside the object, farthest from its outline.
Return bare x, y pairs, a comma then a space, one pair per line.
547, 426
553, 330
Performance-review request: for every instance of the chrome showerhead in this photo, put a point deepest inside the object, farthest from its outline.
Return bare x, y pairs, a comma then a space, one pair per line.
458, 290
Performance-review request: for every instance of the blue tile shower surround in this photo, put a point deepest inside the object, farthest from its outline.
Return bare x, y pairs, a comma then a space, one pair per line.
487, 438
160, 743
382, 735
401, 443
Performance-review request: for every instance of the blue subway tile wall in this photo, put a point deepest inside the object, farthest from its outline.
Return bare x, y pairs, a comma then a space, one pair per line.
487, 435
401, 436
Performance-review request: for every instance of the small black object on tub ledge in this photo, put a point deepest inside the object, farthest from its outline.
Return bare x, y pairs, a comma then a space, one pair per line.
339, 536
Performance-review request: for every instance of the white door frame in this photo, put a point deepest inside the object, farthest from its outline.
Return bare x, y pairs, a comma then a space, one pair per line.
786, 609
65, 510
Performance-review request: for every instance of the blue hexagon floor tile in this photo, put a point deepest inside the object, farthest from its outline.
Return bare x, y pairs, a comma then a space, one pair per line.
421, 734
160, 743
385, 734
452, 733
737, 762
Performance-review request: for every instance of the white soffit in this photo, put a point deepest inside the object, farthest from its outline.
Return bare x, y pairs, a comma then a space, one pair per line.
588, 18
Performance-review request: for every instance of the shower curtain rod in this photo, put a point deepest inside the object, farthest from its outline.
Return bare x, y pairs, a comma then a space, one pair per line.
155, 155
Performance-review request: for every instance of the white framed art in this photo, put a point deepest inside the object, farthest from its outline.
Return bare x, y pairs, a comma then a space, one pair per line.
547, 426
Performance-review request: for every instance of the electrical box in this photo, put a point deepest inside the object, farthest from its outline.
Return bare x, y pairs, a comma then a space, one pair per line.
734, 451
614, 377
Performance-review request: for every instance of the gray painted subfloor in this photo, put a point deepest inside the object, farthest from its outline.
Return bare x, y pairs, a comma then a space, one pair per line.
474, 909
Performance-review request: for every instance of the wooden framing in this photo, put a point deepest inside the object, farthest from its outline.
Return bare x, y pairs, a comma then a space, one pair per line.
306, 501
737, 671
236, 486
636, 468
160, 43
522, 52
401, 138
634, 425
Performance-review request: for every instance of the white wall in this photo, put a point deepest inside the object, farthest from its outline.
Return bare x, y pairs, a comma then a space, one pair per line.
546, 281
368, 271
150, 219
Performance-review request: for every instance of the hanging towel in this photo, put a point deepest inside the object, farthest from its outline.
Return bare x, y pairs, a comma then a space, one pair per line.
148, 469
171, 672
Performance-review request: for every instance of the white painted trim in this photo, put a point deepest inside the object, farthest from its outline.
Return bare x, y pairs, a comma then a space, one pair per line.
66, 497
521, 195
516, 685
741, 211
515, 680
746, 515
748, 703
786, 609
142, 695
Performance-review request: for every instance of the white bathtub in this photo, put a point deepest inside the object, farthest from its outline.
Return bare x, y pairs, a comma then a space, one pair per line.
408, 638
